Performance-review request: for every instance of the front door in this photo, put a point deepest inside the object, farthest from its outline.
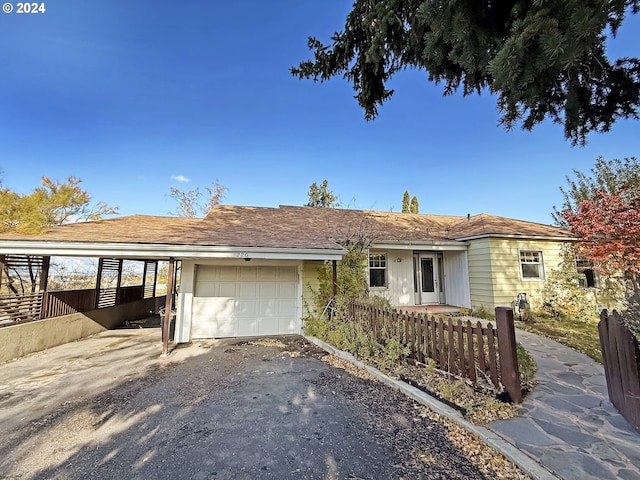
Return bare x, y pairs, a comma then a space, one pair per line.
428, 279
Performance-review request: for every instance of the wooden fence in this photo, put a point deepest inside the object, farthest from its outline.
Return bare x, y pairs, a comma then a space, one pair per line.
621, 357
483, 354
37, 306
24, 308
66, 302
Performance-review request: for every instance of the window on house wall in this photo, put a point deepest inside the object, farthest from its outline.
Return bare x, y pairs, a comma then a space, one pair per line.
531, 265
378, 269
589, 277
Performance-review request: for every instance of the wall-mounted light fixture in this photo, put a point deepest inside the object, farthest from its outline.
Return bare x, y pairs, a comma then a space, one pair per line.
399, 259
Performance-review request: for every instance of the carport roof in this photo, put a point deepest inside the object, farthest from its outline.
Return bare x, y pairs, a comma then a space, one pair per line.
283, 228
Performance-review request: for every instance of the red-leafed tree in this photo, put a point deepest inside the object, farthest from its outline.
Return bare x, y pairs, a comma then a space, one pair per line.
609, 226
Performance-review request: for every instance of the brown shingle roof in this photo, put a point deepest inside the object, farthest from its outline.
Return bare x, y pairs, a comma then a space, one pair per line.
489, 225
289, 227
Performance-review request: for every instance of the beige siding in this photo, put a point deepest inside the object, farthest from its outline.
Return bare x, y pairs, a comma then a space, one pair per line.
494, 270
310, 284
507, 279
480, 273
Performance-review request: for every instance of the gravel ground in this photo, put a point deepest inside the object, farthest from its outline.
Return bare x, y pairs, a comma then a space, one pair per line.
262, 409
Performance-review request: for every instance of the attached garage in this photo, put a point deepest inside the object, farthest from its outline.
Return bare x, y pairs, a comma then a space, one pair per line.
240, 301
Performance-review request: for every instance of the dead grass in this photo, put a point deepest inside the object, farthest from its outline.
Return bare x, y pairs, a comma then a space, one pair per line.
476, 406
577, 334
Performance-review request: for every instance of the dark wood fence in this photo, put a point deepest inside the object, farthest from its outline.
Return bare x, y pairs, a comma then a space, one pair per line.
37, 306
24, 308
621, 357
67, 302
483, 354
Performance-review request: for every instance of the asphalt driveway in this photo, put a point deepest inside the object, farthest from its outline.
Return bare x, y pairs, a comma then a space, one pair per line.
110, 407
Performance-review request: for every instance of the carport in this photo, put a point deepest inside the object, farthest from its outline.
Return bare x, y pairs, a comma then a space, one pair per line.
243, 282
33, 317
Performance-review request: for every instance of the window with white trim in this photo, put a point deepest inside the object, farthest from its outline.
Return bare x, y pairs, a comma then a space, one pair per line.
531, 266
377, 269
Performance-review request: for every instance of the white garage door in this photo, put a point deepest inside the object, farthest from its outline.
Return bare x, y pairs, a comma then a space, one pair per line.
245, 301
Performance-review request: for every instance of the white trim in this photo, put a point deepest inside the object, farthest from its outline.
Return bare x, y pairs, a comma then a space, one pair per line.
518, 237
299, 305
542, 277
385, 268
430, 245
163, 251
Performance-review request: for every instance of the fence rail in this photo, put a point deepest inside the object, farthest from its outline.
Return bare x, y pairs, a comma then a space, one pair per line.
67, 302
483, 354
621, 355
37, 306
24, 308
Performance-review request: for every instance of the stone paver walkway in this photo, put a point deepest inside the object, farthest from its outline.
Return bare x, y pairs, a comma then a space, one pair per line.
568, 423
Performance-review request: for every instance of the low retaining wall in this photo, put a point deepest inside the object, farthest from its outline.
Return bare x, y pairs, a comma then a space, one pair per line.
20, 340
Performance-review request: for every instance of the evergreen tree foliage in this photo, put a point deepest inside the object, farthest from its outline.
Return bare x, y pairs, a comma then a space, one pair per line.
321, 196
609, 176
414, 207
406, 202
543, 59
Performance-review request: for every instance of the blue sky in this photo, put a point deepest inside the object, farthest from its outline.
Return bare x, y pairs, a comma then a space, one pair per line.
132, 96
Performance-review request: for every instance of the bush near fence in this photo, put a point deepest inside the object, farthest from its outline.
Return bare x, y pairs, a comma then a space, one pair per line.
621, 356
482, 354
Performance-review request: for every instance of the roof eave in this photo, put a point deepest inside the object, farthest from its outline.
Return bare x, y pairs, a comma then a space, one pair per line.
518, 236
164, 251
420, 245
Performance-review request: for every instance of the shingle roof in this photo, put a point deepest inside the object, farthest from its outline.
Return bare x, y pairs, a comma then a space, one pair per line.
289, 227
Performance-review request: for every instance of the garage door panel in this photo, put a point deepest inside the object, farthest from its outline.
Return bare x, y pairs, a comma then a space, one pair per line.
268, 307
268, 290
216, 317
287, 275
248, 328
286, 325
267, 325
226, 274
207, 289
245, 301
248, 274
287, 291
286, 306
227, 290
269, 274
248, 290
246, 307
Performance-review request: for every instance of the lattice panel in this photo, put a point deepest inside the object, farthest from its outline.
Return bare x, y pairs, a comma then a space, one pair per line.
23, 261
150, 269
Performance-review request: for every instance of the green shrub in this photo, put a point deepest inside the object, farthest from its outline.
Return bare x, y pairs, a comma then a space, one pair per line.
483, 312
563, 296
526, 366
